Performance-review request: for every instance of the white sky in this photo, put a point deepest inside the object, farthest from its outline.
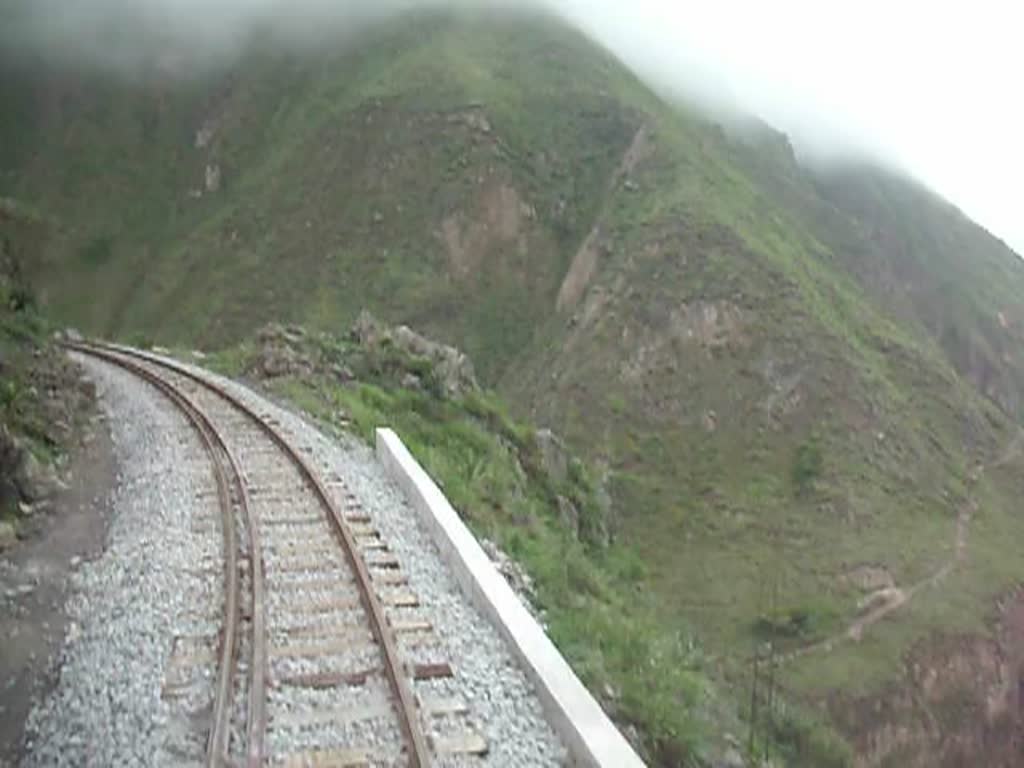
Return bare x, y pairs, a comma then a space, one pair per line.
936, 88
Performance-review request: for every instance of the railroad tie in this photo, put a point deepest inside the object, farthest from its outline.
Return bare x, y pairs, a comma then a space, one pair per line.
463, 744
304, 719
334, 647
332, 758
436, 671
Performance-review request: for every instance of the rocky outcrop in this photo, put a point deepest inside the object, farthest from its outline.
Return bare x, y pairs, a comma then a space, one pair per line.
33, 480
10, 460
8, 535
212, 177
553, 455
54, 400
43, 396
597, 244
584, 507
448, 369
960, 702
279, 353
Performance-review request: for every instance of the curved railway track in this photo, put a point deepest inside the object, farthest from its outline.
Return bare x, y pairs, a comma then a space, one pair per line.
287, 520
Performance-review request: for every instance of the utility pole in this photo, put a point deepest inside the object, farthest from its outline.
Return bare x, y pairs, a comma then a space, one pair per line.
753, 700
755, 674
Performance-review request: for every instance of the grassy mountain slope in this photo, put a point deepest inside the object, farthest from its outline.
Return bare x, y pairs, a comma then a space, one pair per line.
803, 390
373, 175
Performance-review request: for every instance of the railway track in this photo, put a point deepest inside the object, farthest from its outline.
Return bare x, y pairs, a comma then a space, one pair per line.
320, 655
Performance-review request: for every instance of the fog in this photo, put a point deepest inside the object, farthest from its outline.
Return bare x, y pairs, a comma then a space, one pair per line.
928, 87
931, 88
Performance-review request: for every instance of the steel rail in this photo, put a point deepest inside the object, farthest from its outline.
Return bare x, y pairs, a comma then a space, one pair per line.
218, 740
419, 753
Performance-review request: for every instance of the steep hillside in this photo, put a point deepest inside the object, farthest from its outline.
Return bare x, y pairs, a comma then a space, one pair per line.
414, 173
802, 390
43, 402
928, 259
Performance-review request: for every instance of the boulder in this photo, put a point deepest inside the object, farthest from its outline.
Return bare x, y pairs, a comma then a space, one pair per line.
343, 373
278, 355
452, 369
8, 535
34, 480
367, 331
276, 361
271, 332
553, 456
569, 516
412, 381
212, 177
514, 574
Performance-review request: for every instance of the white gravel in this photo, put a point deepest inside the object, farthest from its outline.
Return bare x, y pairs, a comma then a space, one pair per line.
107, 708
127, 607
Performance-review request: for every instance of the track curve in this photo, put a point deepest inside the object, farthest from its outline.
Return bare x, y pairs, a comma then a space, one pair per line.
143, 364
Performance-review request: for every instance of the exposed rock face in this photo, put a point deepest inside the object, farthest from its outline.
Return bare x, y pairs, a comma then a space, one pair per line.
451, 368
569, 516
10, 459
469, 237
553, 455
24, 480
204, 136
713, 325
212, 177
8, 535
52, 394
588, 518
514, 574
278, 354
33, 481
960, 703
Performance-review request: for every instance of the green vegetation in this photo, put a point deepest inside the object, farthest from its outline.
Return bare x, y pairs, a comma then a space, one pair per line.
807, 465
781, 377
22, 329
41, 402
98, 251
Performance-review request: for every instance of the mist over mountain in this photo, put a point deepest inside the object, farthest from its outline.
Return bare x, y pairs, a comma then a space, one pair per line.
844, 84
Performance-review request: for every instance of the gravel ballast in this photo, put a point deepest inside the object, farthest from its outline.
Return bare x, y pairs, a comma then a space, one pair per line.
502, 703
129, 604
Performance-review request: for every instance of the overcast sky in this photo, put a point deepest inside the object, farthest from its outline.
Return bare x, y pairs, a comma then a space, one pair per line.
936, 88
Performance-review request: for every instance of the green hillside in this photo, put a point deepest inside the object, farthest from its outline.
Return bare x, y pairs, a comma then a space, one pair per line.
803, 389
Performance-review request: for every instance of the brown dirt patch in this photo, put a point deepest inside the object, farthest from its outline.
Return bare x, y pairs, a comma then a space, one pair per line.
502, 218
34, 577
580, 271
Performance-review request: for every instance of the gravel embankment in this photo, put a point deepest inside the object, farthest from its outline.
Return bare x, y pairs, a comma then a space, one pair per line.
127, 606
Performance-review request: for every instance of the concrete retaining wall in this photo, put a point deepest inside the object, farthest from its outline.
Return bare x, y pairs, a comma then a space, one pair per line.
591, 737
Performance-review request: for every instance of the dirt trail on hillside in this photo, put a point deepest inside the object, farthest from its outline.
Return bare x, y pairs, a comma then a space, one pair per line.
895, 598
